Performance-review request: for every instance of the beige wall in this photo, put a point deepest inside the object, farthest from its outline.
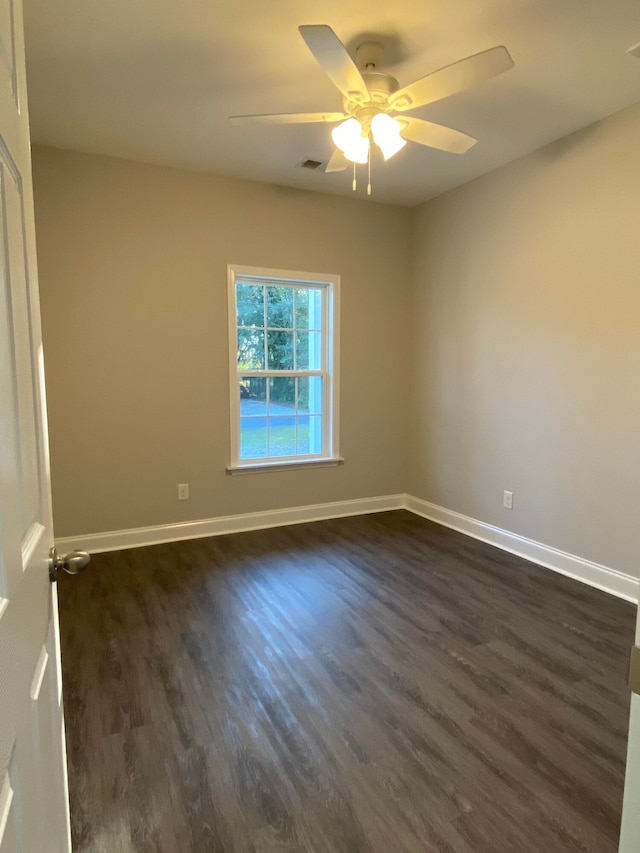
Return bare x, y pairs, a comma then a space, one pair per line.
132, 265
521, 292
527, 345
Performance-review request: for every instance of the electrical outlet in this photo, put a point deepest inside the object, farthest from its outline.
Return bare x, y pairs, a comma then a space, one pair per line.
507, 500
183, 491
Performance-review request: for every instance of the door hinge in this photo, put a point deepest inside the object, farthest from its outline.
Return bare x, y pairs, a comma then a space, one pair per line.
634, 670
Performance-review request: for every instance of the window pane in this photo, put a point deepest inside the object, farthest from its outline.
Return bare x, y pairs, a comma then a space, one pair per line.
310, 395
308, 302
282, 395
251, 349
315, 434
253, 396
253, 438
282, 436
303, 435
250, 304
280, 307
280, 350
309, 435
302, 307
309, 350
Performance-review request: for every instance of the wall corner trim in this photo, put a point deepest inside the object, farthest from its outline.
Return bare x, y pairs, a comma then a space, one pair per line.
601, 577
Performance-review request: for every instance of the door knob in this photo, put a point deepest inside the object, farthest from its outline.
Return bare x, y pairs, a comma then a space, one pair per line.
72, 563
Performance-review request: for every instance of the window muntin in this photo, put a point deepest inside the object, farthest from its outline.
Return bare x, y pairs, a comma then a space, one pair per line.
283, 367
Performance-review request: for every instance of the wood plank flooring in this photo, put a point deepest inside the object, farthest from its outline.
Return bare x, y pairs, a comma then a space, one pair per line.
376, 683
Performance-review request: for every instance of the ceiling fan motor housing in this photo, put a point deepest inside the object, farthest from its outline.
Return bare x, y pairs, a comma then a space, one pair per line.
380, 86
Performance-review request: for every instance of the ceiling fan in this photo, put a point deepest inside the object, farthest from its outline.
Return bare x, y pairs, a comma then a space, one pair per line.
371, 96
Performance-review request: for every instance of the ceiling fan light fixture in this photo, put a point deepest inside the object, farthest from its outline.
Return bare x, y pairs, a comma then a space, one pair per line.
346, 133
386, 135
358, 150
349, 139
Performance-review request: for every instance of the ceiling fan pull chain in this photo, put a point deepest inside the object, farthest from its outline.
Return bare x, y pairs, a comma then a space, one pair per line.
369, 163
354, 177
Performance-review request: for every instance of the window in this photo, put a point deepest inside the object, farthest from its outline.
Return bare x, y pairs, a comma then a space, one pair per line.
283, 368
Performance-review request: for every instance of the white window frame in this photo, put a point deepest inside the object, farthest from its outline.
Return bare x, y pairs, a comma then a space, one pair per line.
329, 371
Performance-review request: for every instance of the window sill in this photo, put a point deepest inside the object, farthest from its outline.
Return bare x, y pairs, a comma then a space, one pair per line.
284, 466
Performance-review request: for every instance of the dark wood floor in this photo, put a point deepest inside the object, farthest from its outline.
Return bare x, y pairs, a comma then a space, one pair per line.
367, 684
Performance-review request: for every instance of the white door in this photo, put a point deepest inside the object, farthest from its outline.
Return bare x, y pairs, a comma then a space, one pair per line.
630, 831
34, 812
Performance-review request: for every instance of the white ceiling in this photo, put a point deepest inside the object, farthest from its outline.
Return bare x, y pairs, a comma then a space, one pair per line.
155, 80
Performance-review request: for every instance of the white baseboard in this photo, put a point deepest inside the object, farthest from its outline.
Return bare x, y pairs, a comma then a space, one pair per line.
115, 540
609, 580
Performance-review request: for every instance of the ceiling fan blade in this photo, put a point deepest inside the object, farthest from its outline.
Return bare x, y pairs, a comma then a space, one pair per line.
332, 55
338, 162
287, 118
452, 79
435, 135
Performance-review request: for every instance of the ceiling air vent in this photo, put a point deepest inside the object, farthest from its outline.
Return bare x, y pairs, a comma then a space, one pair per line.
308, 163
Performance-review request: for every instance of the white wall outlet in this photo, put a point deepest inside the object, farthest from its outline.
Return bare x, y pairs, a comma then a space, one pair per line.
507, 500
183, 491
